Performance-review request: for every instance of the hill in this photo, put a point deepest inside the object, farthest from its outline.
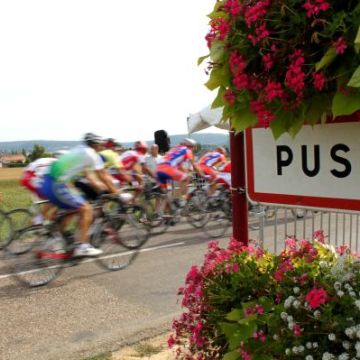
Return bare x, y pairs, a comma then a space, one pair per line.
209, 139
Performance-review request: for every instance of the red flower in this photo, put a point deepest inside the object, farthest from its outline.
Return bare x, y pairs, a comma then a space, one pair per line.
268, 61
319, 81
233, 7
241, 81
340, 45
313, 7
256, 12
273, 90
297, 330
316, 297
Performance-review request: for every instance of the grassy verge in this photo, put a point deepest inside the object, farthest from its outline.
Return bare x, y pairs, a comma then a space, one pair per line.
13, 195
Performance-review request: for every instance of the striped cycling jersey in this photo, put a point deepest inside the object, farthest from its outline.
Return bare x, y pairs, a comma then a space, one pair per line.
212, 158
177, 156
130, 158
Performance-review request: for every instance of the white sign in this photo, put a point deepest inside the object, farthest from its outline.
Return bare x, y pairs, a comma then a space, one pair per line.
319, 168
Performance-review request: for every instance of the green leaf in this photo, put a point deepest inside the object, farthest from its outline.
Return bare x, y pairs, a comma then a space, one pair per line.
218, 76
236, 333
355, 79
233, 355
235, 315
357, 41
327, 59
243, 120
219, 100
217, 51
201, 59
266, 303
318, 105
345, 104
282, 123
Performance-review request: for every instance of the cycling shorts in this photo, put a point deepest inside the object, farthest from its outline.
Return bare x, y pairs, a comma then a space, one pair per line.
60, 194
223, 178
165, 172
208, 170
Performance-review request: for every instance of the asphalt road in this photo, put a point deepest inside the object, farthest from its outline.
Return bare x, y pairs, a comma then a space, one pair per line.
88, 310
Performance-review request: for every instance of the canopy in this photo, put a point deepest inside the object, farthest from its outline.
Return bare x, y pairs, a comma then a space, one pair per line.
205, 118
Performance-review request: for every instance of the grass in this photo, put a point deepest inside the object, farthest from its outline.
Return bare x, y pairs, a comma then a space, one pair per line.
13, 195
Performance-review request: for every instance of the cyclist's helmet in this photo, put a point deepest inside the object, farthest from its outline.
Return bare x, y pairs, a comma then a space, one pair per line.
110, 143
92, 139
141, 146
221, 150
189, 142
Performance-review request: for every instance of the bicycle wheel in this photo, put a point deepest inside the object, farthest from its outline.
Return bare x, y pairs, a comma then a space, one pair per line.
132, 232
157, 222
6, 230
44, 261
20, 218
218, 220
115, 256
194, 208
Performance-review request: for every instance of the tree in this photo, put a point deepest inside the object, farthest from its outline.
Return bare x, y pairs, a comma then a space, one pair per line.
37, 152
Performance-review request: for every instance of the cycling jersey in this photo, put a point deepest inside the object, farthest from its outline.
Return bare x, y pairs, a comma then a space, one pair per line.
212, 158
111, 159
131, 158
177, 156
75, 162
34, 172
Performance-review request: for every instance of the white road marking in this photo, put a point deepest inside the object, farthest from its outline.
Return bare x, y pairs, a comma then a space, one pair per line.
154, 248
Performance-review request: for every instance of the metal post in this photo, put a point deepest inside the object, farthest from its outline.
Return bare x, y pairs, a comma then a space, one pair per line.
239, 200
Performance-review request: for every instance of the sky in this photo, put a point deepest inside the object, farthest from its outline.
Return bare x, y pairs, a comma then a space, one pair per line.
121, 69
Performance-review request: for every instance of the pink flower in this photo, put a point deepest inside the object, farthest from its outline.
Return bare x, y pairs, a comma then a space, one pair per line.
295, 77
229, 97
316, 297
260, 336
340, 45
319, 236
313, 7
171, 341
241, 81
237, 63
233, 7
319, 81
342, 249
268, 61
297, 330
273, 90
256, 12
264, 115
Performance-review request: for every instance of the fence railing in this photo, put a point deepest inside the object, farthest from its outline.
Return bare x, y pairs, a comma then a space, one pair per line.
271, 226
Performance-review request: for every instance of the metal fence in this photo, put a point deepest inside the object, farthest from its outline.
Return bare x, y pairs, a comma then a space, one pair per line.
269, 227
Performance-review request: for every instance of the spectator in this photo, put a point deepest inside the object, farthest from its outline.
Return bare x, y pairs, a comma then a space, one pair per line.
153, 158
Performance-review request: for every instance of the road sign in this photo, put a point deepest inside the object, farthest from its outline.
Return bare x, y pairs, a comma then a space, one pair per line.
319, 168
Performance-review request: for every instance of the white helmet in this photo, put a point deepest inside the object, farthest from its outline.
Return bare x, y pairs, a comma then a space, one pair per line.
189, 142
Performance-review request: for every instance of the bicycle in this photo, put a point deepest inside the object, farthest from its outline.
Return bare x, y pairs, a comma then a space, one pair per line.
115, 229
6, 229
163, 210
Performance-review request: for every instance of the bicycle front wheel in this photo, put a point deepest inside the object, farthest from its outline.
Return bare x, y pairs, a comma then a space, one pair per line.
6, 230
43, 260
115, 256
216, 224
194, 208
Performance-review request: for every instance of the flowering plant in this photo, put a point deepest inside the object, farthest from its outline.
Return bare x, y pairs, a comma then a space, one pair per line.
245, 303
284, 63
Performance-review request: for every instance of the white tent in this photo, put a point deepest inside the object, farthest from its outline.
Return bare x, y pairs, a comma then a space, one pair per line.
205, 118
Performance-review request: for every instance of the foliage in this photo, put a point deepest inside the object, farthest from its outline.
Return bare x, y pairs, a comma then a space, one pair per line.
284, 63
37, 152
245, 303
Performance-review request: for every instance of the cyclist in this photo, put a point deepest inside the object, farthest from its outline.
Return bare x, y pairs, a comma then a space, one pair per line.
32, 179
58, 186
209, 162
224, 174
173, 168
134, 164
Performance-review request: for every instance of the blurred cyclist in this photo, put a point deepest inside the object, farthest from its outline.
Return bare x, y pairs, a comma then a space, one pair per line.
32, 179
208, 164
173, 167
134, 164
58, 186
224, 174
